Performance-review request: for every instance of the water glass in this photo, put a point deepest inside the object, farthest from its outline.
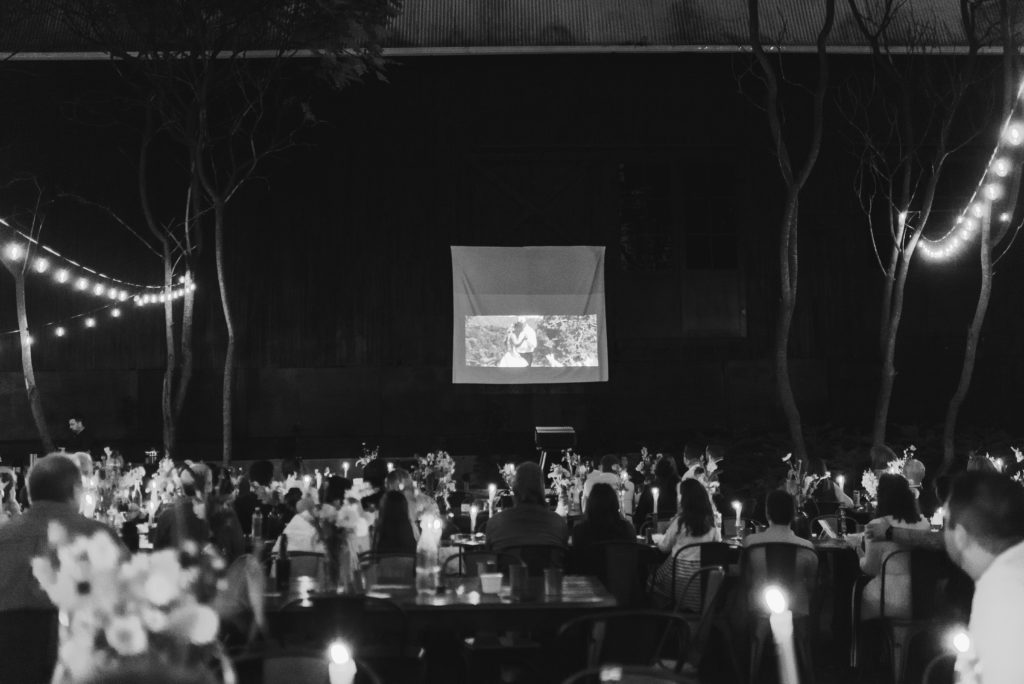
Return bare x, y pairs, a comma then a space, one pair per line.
553, 582
517, 580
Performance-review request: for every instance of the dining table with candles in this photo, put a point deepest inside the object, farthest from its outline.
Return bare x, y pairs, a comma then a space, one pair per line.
461, 603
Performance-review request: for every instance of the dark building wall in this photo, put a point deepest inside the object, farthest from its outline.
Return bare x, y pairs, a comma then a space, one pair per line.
341, 280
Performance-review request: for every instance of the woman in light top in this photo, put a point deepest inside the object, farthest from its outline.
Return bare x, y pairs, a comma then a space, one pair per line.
897, 507
694, 524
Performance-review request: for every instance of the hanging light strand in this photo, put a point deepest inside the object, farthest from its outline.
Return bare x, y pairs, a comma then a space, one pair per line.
65, 326
986, 202
79, 277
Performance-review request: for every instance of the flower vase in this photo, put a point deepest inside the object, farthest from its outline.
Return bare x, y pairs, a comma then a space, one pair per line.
340, 566
563, 503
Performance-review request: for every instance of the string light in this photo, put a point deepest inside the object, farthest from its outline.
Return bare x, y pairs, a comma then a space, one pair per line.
115, 312
41, 265
989, 192
90, 322
14, 251
98, 290
62, 276
81, 284
59, 331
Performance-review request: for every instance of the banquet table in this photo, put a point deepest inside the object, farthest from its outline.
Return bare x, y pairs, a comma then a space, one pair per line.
461, 606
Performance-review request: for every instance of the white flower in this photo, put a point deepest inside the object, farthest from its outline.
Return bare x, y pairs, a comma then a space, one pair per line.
103, 552
126, 635
77, 656
196, 622
154, 619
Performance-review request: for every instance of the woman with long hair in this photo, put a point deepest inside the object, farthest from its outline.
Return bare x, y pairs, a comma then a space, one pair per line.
897, 507
693, 524
393, 532
666, 479
602, 522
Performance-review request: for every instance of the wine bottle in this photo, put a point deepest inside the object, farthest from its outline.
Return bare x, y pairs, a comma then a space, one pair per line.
283, 567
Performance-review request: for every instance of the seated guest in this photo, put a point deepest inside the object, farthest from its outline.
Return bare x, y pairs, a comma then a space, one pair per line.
529, 521
374, 474
225, 527
985, 536
602, 521
780, 508
28, 621
301, 530
393, 531
897, 505
665, 479
822, 489
185, 519
334, 490
694, 524
607, 475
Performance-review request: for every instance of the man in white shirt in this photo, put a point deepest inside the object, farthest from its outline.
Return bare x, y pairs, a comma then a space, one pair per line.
780, 509
524, 341
985, 536
607, 475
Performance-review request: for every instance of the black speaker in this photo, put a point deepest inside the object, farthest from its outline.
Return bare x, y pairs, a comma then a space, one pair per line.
554, 438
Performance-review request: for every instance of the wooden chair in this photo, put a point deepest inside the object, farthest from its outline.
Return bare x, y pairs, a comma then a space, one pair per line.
646, 638
794, 569
388, 568
710, 554
929, 569
618, 565
464, 563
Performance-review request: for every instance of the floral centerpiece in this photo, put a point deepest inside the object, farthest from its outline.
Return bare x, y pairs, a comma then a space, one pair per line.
647, 463
869, 481
567, 478
434, 475
368, 455
508, 474
117, 610
338, 529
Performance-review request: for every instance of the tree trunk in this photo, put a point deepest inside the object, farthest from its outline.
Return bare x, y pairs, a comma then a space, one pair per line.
971, 350
229, 356
787, 304
166, 406
185, 374
892, 302
35, 399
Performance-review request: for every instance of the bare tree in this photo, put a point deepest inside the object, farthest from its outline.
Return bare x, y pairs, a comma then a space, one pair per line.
213, 74
17, 264
990, 239
795, 179
904, 116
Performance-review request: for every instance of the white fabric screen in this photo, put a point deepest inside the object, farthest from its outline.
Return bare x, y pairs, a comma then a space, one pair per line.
528, 315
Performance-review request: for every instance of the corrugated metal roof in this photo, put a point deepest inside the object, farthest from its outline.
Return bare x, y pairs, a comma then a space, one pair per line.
453, 26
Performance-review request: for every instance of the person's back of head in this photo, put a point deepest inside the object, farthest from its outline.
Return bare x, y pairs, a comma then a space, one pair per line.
262, 472
394, 528
399, 480
780, 507
603, 506
335, 489
692, 453
880, 455
989, 507
55, 478
695, 512
609, 463
375, 472
528, 484
896, 500
665, 470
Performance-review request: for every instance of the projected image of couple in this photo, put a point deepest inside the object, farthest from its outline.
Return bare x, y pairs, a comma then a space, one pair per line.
520, 343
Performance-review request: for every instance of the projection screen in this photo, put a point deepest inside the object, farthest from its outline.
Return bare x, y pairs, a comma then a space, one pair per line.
528, 315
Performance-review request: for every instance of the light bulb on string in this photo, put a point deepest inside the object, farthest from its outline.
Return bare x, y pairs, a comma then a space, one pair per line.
98, 290
14, 251
115, 312
122, 296
1014, 134
29, 340
62, 276
90, 322
60, 331
1002, 167
1005, 217
112, 293
181, 279
41, 265
81, 284
993, 191
978, 209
